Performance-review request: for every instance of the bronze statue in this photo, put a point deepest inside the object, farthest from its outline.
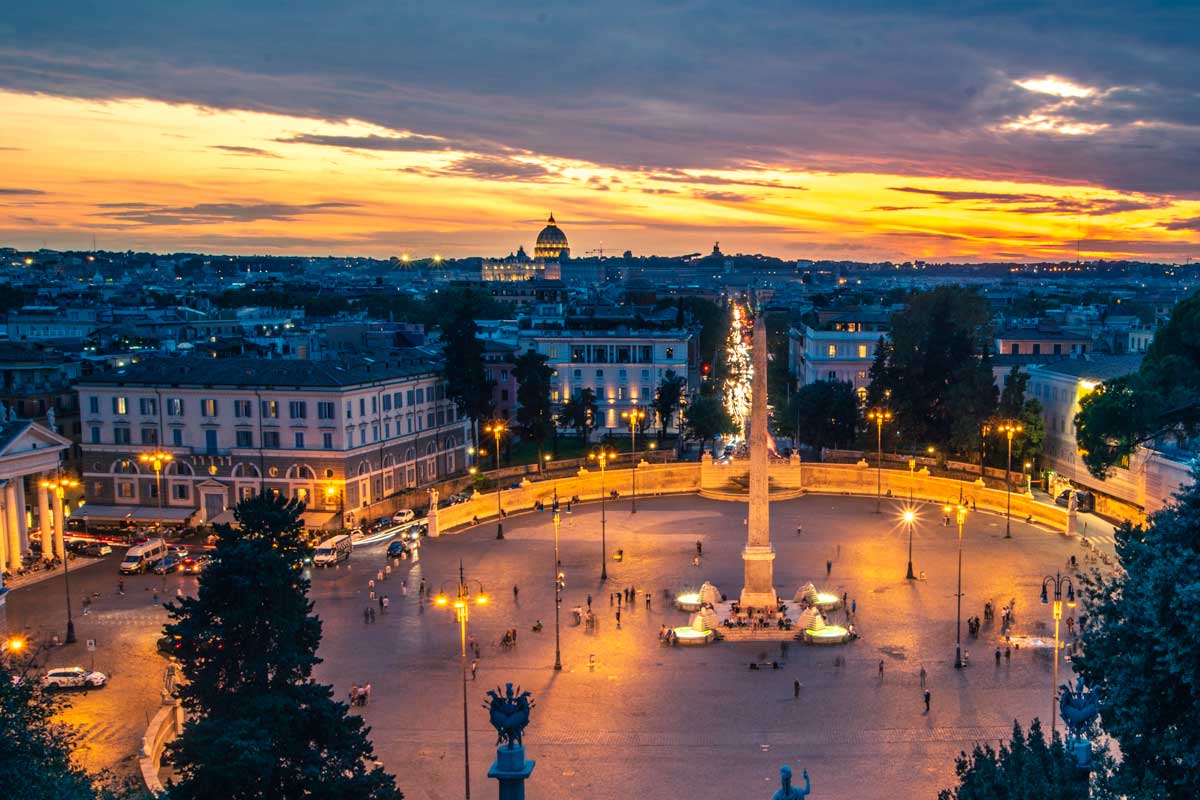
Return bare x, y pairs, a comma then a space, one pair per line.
509, 713
1078, 708
787, 791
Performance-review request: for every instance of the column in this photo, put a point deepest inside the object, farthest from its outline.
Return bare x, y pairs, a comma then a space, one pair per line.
4, 565
12, 526
22, 516
60, 523
50, 537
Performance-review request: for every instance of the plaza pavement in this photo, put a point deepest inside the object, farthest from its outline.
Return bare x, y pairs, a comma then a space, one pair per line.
641, 718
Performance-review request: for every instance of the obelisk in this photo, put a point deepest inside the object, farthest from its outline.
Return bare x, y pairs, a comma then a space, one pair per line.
759, 555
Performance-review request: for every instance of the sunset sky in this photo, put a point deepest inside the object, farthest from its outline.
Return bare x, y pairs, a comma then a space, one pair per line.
1021, 131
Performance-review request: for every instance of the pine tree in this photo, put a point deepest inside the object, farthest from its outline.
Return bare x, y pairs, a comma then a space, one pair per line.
1025, 768
1141, 651
259, 726
534, 414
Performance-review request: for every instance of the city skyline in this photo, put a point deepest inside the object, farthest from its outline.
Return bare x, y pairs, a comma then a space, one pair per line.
861, 134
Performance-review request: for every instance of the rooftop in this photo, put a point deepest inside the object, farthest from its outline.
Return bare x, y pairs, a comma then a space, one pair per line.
1094, 368
256, 372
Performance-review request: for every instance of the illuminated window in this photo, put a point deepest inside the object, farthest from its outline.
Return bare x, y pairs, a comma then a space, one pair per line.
862, 351
832, 351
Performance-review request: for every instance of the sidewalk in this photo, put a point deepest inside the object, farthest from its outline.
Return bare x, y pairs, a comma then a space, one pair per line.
45, 574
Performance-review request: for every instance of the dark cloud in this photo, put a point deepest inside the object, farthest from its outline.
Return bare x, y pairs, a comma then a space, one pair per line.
6, 190
1037, 203
209, 213
239, 150
489, 168
722, 197
413, 144
1192, 224
658, 85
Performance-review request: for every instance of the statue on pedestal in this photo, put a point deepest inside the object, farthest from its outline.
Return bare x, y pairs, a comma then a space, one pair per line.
1078, 708
787, 791
509, 713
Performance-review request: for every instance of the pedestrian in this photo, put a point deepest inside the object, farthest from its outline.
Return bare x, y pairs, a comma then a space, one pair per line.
796, 689
620, 597
881, 668
1071, 625
611, 598
618, 617
845, 599
699, 548
366, 694
404, 588
828, 567
474, 665
372, 613
366, 615
853, 607
589, 601
647, 601
516, 591
923, 674
380, 599
121, 586
1007, 654
926, 701
387, 601
997, 656
696, 561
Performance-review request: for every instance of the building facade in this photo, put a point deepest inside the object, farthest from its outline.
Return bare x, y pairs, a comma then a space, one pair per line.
841, 347
1149, 479
624, 369
338, 435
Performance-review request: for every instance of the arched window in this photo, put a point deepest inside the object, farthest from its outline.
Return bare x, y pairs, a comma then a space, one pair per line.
301, 472
125, 467
242, 470
180, 468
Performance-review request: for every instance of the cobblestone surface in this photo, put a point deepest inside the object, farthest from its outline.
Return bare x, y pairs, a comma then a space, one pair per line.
627, 717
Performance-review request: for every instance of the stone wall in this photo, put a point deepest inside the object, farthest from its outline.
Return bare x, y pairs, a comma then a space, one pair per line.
679, 478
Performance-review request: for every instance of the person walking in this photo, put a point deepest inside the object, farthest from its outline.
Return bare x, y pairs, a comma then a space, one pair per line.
927, 701
618, 617
354, 695
796, 689
589, 602
699, 548
386, 602
120, 586
828, 567
853, 607
611, 598
997, 656
380, 599
1071, 626
881, 668
371, 611
922, 676
516, 591
474, 665
366, 615
647, 601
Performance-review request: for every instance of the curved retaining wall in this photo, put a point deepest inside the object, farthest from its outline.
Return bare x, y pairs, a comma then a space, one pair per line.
727, 481
164, 726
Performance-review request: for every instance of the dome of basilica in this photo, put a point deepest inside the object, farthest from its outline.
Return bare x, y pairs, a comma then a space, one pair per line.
552, 243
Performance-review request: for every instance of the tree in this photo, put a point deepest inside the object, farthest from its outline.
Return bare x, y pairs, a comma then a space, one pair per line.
1158, 400
466, 377
667, 399
824, 414
1141, 651
706, 417
1027, 445
1025, 767
579, 413
534, 414
259, 726
935, 374
35, 749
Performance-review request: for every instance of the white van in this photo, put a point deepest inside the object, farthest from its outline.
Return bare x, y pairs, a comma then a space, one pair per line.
141, 557
332, 551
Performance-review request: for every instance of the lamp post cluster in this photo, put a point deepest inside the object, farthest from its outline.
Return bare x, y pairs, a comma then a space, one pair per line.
462, 601
634, 417
602, 455
1009, 429
59, 488
1057, 580
157, 459
497, 428
960, 511
879, 416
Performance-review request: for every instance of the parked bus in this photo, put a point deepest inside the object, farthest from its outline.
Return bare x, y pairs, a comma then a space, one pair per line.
333, 551
142, 557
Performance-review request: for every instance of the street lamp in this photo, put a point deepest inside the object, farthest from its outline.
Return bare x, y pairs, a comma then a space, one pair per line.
157, 459
462, 607
879, 416
59, 488
497, 429
602, 455
1029, 478
1057, 581
634, 417
961, 511
558, 587
1009, 429
910, 519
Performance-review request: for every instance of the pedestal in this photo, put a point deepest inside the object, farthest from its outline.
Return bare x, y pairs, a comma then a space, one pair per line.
759, 589
511, 769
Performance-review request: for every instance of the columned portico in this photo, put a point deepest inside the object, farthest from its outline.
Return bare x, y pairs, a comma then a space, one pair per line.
27, 449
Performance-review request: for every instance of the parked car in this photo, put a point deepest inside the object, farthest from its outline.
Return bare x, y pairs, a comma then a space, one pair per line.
73, 678
76, 545
194, 565
177, 550
1084, 501
167, 564
458, 497
142, 556
168, 645
96, 549
403, 515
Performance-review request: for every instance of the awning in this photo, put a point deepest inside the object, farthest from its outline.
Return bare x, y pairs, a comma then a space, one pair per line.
320, 520
95, 512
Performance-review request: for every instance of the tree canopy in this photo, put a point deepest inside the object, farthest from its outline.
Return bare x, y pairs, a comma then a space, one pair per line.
935, 373
1024, 768
579, 413
534, 414
1141, 651
667, 399
1161, 399
259, 726
706, 417
822, 414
